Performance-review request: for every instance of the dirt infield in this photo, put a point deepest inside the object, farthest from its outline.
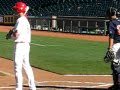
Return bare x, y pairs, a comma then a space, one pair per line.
50, 81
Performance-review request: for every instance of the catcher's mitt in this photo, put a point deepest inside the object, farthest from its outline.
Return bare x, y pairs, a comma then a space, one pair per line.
10, 33
109, 57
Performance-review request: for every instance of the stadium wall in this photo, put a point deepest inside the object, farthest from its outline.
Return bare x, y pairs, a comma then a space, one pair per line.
67, 24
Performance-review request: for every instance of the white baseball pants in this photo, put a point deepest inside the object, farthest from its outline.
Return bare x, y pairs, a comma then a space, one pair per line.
116, 49
21, 59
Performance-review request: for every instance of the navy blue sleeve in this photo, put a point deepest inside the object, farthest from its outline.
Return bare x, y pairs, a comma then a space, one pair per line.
111, 30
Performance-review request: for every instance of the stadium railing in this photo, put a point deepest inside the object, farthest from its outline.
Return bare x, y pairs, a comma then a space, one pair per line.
97, 26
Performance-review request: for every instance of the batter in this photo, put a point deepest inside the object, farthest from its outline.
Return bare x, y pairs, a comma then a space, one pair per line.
22, 39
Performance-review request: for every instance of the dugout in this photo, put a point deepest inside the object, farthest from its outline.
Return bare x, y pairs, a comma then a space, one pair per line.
70, 24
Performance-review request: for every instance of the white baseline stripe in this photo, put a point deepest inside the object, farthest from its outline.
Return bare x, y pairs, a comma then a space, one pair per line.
100, 84
6, 87
76, 86
12, 75
74, 82
6, 73
104, 85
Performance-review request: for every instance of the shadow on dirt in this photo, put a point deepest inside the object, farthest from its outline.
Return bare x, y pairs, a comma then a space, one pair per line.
69, 88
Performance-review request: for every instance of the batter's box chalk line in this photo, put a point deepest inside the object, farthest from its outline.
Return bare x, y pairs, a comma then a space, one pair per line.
61, 84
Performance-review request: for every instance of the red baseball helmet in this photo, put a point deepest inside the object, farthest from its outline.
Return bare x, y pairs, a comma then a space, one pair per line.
20, 7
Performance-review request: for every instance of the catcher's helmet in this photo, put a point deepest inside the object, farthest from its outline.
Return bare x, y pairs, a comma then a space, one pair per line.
20, 7
112, 12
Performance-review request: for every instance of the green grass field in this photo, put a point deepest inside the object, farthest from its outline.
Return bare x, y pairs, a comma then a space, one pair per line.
62, 55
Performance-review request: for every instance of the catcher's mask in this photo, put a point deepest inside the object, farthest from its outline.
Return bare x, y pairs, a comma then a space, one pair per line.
20, 7
112, 12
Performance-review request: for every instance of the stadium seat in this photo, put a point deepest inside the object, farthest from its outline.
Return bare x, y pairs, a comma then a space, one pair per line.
62, 7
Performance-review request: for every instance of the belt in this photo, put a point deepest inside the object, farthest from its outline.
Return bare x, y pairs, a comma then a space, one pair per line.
21, 42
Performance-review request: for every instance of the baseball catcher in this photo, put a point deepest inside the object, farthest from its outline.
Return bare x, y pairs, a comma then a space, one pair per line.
113, 53
109, 56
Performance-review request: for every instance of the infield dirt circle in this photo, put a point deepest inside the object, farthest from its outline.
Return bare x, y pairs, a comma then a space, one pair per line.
50, 81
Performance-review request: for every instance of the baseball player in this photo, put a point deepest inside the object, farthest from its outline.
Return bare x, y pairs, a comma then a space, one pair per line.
114, 44
22, 39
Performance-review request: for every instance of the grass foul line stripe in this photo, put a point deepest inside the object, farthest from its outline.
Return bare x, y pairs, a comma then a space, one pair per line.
42, 44
37, 44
